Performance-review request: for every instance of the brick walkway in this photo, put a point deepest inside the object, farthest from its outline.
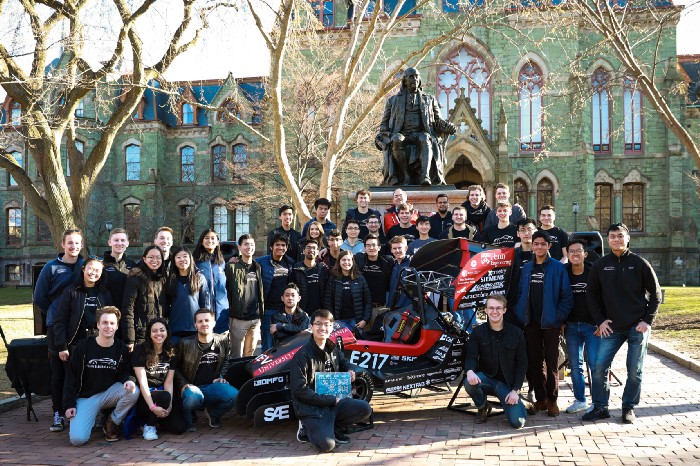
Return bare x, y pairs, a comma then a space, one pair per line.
410, 431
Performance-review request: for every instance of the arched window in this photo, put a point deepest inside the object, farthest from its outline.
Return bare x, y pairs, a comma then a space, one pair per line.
530, 81
132, 158
18, 157
132, 221
633, 206
219, 215
16, 114
187, 164
603, 205
14, 226
230, 107
465, 68
218, 163
633, 116
520, 194
600, 110
545, 193
240, 160
187, 114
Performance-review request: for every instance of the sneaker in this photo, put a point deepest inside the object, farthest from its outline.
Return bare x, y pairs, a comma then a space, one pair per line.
541, 405
483, 414
340, 437
301, 434
553, 408
577, 406
110, 430
529, 407
213, 421
595, 414
191, 428
149, 433
57, 425
628, 416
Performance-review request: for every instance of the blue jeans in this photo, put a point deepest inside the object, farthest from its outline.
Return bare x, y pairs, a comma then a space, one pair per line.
608, 347
579, 335
87, 409
267, 341
218, 398
516, 413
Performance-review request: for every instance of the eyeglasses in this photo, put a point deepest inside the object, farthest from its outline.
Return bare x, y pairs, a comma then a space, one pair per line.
495, 308
323, 324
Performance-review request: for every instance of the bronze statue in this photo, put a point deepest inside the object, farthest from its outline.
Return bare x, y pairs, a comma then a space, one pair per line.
412, 136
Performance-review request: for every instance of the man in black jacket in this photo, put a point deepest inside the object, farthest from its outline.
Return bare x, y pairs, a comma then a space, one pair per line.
98, 377
310, 276
496, 364
623, 296
286, 215
117, 265
322, 416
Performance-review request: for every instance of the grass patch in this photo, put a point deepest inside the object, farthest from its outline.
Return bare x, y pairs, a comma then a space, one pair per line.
680, 301
11, 296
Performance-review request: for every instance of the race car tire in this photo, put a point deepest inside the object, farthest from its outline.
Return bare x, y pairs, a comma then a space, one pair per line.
362, 387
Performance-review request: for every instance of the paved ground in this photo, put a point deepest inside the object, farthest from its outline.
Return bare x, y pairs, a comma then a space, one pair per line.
410, 431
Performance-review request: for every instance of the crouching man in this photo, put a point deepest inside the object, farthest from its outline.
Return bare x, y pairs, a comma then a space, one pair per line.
321, 417
98, 377
496, 364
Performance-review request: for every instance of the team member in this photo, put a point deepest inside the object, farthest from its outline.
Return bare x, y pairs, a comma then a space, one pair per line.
362, 212
322, 207
346, 294
477, 209
292, 319
144, 296
117, 265
496, 363
376, 269
244, 285
504, 233
154, 364
401, 261
97, 377
441, 220
460, 227
391, 214
374, 226
423, 227
54, 278
322, 417
187, 291
314, 232
286, 215
560, 238
544, 303
329, 256
210, 262
406, 226
310, 277
201, 369
164, 241
522, 255
503, 195
352, 242
580, 328
623, 296
275, 271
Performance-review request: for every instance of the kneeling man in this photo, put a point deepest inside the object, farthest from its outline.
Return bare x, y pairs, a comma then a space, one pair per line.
496, 364
321, 417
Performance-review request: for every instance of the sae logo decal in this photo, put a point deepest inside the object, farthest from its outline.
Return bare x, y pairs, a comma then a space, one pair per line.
276, 413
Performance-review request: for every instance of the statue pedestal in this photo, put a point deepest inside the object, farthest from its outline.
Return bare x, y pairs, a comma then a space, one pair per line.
422, 197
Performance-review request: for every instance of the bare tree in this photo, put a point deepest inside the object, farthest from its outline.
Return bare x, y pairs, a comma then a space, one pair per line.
49, 96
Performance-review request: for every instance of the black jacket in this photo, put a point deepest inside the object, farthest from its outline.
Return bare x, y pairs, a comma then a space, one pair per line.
484, 354
289, 325
477, 215
70, 312
189, 355
361, 297
618, 289
76, 366
117, 273
386, 263
141, 304
299, 278
306, 362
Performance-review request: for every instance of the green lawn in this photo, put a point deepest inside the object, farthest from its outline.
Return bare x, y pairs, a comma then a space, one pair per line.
678, 321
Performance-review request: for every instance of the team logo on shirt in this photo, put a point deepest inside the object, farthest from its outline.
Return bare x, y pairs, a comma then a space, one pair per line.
579, 287
209, 358
102, 363
609, 267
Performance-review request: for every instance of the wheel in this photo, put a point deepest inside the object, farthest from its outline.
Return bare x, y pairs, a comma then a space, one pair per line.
362, 387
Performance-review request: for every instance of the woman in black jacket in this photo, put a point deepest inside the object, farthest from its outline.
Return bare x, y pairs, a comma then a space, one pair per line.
75, 316
347, 295
144, 295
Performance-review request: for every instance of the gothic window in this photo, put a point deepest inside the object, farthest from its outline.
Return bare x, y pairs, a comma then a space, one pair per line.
187, 114
218, 163
187, 164
132, 221
633, 206
530, 81
18, 157
603, 205
600, 110
632, 116
14, 226
133, 162
545, 193
241, 224
240, 160
231, 107
520, 192
465, 68
220, 221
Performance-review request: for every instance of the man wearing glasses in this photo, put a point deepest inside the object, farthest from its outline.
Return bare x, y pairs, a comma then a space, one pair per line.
322, 417
442, 219
496, 363
623, 296
353, 243
310, 276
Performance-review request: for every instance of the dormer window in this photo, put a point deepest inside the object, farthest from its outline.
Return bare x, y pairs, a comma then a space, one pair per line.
187, 114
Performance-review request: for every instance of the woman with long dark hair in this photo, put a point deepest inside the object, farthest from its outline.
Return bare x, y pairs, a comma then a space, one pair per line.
187, 291
347, 295
144, 297
315, 232
154, 364
210, 261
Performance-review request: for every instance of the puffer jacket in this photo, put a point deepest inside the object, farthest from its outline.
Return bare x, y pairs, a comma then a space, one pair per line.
216, 281
181, 305
361, 297
54, 277
139, 305
70, 313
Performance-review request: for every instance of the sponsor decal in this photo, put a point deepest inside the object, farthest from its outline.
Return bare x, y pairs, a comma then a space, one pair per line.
274, 362
452, 370
276, 413
368, 360
486, 271
260, 382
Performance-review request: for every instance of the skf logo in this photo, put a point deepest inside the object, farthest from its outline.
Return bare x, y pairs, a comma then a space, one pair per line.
257, 383
278, 413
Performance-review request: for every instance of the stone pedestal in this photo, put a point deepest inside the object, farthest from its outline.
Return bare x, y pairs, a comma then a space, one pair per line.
422, 197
